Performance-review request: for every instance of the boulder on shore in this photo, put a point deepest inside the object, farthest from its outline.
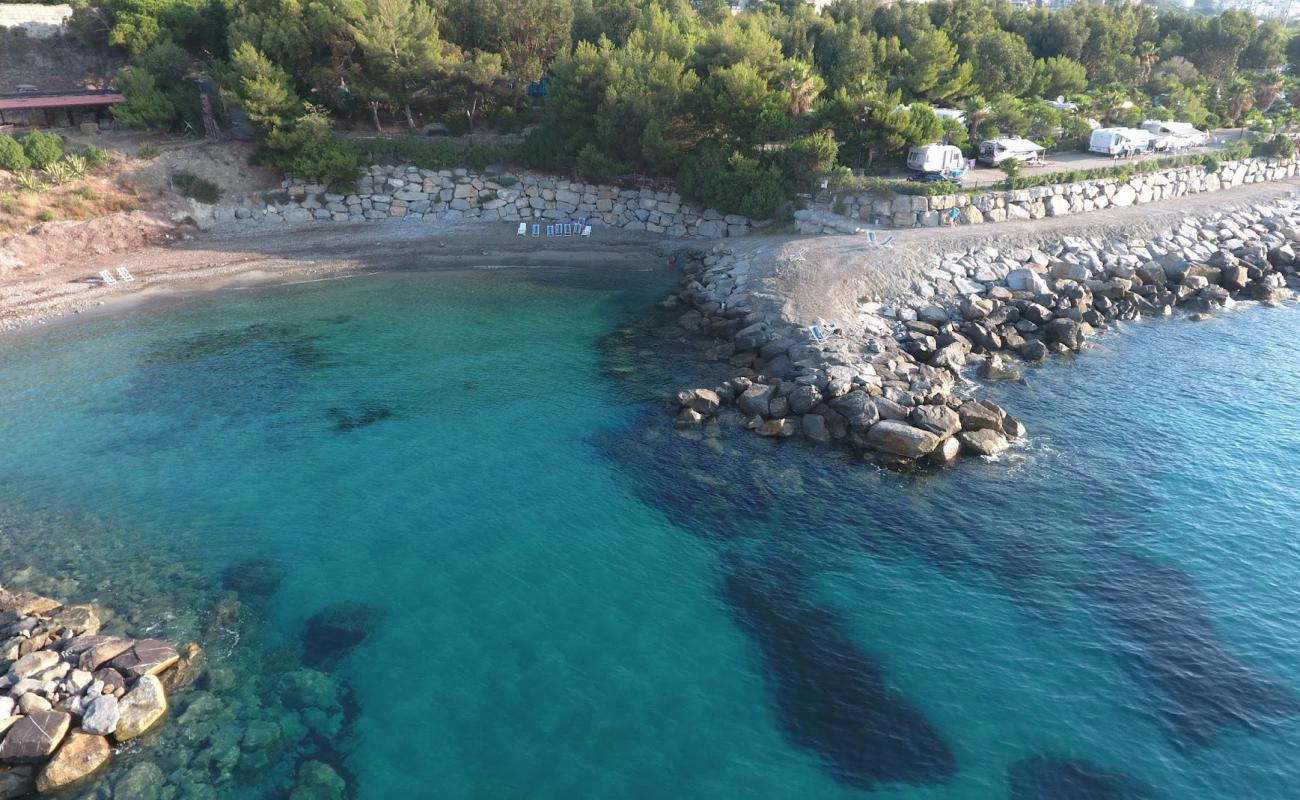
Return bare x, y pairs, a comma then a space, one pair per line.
901, 439
983, 442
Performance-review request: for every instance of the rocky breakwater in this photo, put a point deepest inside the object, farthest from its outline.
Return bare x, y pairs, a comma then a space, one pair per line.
69, 693
1027, 303
894, 397
412, 194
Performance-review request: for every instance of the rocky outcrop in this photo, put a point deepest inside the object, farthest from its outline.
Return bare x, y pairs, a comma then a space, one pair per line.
67, 691
450, 195
859, 213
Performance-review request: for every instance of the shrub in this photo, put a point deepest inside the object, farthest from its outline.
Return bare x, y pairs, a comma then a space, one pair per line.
734, 184
43, 149
8, 204
29, 182
59, 173
12, 156
193, 186
148, 151
76, 164
1210, 162
96, 157
46, 215
593, 164
1278, 146
1010, 167
311, 150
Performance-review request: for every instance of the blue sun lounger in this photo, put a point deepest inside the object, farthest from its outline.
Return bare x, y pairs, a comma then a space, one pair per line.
550, 230
537, 230
125, 274
107, 277
818, 335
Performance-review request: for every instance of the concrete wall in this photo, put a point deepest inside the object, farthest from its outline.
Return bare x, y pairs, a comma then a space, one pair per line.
421, 195
858, 213
40, 22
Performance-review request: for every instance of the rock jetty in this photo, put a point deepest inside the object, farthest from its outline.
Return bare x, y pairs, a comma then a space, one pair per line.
69, 693
893, 385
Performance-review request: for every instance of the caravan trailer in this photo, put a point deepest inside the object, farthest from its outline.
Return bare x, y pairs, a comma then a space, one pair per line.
1179, 134
936, 158
994, 151
1120, 141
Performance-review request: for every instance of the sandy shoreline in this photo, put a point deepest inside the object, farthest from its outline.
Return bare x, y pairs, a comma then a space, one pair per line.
35, 295
801, 277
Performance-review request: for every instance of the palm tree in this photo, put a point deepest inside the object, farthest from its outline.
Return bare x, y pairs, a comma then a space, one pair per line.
1148, 53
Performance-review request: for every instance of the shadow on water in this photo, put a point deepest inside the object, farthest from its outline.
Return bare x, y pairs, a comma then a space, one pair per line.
983, 528
1050, 778
1165, 640
830, 697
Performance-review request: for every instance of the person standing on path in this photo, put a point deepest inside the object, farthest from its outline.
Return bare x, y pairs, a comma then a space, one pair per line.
952, 217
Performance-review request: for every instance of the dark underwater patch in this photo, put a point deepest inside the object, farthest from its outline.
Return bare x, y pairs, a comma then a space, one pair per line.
830, 697
1167, 643
349, 420
336, 631
1050, 778
254, 577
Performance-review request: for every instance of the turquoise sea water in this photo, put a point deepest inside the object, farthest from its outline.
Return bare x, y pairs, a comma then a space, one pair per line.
561, 596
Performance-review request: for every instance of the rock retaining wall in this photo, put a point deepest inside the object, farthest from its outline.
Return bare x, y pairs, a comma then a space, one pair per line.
69, 694
422, 195
38, 21
861, 212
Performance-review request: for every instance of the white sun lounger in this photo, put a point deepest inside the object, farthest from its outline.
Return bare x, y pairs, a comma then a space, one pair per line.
523, 229
107, 277
871, 238
125, 274
888, 241
537, 230
586, 232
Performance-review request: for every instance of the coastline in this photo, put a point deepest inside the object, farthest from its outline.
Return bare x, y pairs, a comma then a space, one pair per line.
222, 261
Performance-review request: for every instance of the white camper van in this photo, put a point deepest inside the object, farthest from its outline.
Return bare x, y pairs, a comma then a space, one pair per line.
1179, 134
940, 158
995, 151
1120, 141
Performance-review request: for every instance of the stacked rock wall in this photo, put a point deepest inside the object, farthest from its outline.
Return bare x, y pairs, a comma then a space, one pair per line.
414, 194
859, 212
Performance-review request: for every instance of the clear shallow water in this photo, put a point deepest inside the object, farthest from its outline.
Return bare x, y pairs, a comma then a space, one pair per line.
566, 598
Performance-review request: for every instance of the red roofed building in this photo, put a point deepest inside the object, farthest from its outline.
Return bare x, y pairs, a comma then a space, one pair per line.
57, 109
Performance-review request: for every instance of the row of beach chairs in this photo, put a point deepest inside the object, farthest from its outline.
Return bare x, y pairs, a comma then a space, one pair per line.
564, 229
123, 274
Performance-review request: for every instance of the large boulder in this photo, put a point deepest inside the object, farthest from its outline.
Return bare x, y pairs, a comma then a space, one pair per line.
79, 757
141, 708
1065, 331
704, 401
100, 715
1026, 280
858, 409
983, 442
901, 439
33, 738
756, 400
939, 420
804, 398
977, 416
146, 657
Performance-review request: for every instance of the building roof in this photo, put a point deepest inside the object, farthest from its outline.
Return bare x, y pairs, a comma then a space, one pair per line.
21, 102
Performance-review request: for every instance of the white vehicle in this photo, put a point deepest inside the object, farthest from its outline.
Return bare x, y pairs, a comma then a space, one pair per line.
940, 158
951, 113
995, 151
1120, 141
1179, 134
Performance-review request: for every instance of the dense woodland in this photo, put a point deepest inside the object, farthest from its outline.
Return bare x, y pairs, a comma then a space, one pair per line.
741, 110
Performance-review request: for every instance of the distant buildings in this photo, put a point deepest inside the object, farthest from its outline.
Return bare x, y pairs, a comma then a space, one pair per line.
741, 5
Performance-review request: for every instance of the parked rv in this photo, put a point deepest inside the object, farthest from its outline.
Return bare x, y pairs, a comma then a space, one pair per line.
943, 159
1179, 134
1121, 142
995, 151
